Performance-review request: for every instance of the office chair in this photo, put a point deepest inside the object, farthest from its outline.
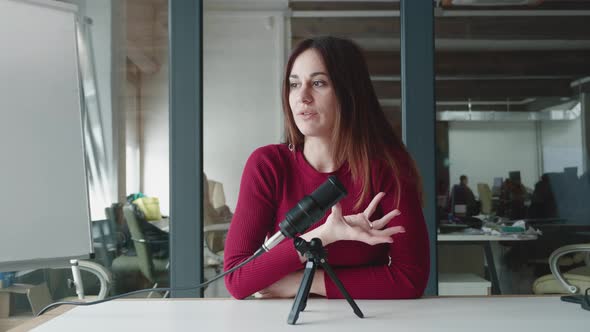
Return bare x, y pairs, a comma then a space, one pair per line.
104, 240
40, 295
153, 269
457, 201
215, 224
462, 202
103, 275
574, 281
213, 252
543, 203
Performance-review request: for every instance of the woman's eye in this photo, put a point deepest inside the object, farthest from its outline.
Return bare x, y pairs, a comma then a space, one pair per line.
293, 85
319, 83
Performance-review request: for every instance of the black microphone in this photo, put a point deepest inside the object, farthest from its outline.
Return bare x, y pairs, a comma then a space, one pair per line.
308, 211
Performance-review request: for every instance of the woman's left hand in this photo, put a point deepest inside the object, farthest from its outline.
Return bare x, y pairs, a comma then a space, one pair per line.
285, 288
357, 227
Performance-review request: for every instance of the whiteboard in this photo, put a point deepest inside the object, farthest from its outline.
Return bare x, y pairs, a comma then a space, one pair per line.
44, 212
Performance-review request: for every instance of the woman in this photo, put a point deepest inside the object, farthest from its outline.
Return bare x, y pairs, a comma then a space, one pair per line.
376, 238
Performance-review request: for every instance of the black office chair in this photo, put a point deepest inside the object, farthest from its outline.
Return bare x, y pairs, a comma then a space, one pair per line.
104, 240
463, 196
152, 267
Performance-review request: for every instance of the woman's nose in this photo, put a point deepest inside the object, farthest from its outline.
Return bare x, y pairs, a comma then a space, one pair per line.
305, 95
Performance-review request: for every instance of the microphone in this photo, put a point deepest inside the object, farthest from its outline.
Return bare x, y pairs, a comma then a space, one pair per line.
308, 211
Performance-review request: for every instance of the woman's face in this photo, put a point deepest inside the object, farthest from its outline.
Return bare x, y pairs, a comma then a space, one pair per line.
311, 96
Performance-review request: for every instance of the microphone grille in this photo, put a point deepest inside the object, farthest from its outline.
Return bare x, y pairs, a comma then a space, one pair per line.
329, 193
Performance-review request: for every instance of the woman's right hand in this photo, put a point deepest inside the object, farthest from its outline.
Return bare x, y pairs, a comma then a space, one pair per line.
358, 227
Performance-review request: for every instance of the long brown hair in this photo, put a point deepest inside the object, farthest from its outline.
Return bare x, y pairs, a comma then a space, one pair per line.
362, 132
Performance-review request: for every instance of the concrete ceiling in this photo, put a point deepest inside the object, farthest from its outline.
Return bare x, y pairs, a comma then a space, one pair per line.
483, 53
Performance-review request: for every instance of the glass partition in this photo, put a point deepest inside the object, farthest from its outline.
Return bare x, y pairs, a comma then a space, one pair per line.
512, 154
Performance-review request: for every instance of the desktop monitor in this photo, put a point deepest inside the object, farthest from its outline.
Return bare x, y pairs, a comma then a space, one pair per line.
514, 176
571, 171
496, 187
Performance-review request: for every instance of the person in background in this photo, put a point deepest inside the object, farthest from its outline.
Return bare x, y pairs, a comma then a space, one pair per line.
461, 194
376, 237
543, 203
512, 200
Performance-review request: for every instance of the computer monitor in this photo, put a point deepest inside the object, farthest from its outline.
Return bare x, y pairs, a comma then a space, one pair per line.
514, 176
571, 171
497, 186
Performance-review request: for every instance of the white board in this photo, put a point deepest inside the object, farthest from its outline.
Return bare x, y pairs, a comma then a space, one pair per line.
44, 213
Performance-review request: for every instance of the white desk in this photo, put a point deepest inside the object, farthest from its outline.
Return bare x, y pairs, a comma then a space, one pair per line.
163, 224
486, 240
485, 237
480, 314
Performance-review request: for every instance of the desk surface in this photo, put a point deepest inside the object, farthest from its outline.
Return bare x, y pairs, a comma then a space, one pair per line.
163, 224
492, 314
485, 237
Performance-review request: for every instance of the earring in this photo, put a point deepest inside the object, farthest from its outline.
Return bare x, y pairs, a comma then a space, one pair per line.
291, 147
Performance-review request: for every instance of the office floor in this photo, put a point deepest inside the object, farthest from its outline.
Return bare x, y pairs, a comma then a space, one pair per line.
13, 321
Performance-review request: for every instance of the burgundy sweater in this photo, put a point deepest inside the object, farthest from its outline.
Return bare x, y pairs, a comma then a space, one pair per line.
275, 179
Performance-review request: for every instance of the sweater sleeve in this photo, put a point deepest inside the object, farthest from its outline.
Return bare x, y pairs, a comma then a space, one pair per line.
406, 275
252, 221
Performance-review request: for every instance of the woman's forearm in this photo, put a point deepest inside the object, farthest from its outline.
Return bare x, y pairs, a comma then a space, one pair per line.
318, 286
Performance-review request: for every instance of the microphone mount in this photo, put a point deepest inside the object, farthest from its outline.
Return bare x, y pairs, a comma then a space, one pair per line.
315, 254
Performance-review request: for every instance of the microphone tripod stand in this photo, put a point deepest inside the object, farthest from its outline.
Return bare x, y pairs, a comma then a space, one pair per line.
315, 254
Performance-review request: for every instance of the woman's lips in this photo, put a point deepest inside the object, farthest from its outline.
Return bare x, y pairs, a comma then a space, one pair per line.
307, 115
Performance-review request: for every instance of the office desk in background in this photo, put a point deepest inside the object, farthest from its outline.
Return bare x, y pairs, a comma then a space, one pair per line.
486, 242
163, 224
539, 314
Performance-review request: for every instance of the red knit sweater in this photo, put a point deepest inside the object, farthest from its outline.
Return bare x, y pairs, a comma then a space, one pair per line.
275, 179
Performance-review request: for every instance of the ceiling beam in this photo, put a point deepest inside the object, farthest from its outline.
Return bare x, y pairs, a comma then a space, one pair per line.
385, 43
485, 89
494, 28
343, 5
544, 5
394, 5
581, 85
556, 63
509, 89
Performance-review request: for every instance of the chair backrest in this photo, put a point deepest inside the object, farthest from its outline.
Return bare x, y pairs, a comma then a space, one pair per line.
142, 248
115, 213
216, 193
485, 197
458, 200
104, 240
214, 215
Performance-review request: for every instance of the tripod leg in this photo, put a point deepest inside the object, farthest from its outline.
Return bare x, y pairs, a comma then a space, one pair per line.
340, 286
307, 285
302, 293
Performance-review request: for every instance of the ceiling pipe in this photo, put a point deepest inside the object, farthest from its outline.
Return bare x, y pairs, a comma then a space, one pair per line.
396, 78
580, 81
392, 102
479, 3
442, 44
489, 102
564, 112
568, 111
439, 12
